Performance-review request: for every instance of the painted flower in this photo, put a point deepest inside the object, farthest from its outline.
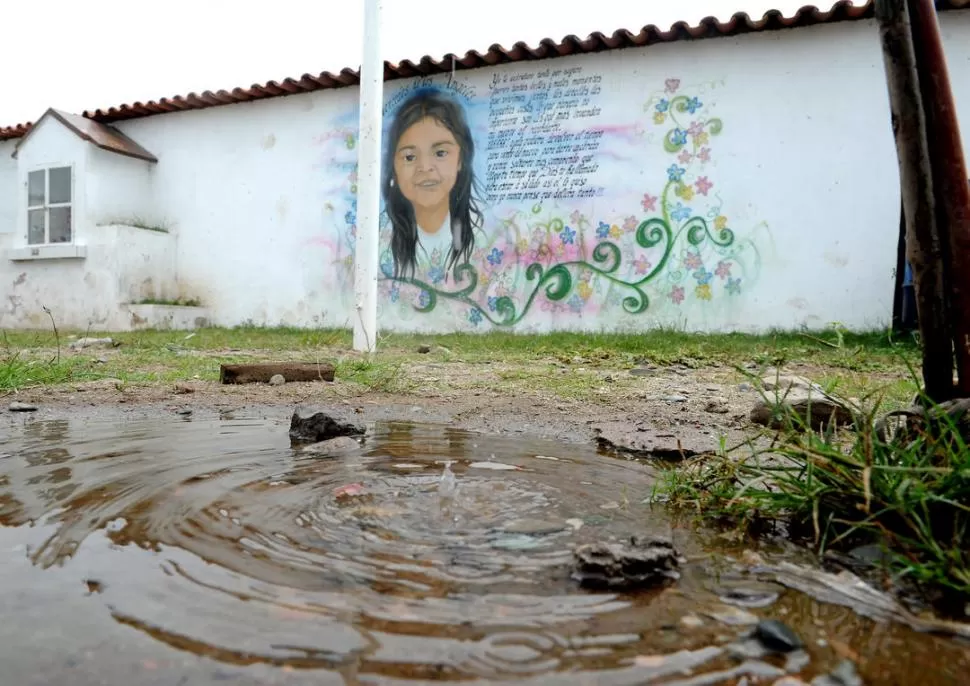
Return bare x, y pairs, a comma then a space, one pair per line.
615, 232
679, 137
603, 230
703, 292
734, 286
695, 128
475, 316
675, 173
576, 303
584, 290
649, 202
495, 257
692, 105
677, 295
704, 155
659, 117
692, 260
663, 105
350, 141
703, 276
642, 265
685, 191
684, 157
349, 217
521, 246
577, 218
703, 185
395, 293
630, 223
353, 175
424, 299
671, 85
680, 212
436, 274
723, 269
492, 302
720, 222
567, 235
701, 138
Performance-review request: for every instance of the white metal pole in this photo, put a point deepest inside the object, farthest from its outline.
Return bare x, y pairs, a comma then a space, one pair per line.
366, 254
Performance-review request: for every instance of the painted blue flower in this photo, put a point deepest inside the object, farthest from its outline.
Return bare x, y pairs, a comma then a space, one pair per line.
733, 286
675, 173
492, 302
350, 217
603, 230
567, 235
495, 257
679, 137
436, 274
693, 105
387, 267
663, 105
395, 293
424, 299
475, 316
703, 276
576, 303
680, 212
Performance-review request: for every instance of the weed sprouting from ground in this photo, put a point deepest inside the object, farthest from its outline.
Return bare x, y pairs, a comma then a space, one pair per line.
907, 491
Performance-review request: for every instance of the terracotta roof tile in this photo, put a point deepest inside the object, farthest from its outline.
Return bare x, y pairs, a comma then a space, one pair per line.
709, 27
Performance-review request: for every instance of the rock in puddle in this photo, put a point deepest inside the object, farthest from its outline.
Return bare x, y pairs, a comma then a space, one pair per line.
732, 616
642, 562
21, 407
776, 636
310, 424
749, 596
844, 674
647, 442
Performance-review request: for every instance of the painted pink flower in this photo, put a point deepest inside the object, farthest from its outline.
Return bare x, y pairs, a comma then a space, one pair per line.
577, 217
695, 128
703, 185
723, 269
693, 260
684, 157
649, 202
704, 155
671, 85
642, 265
630, 223
677, 295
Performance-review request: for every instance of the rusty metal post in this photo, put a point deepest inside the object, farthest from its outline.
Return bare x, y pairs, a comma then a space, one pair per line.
949, 177
923, 241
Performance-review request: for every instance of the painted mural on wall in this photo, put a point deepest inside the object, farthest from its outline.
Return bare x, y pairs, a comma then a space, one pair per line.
530, 202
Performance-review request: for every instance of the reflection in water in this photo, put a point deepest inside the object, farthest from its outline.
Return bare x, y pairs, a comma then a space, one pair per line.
217, 539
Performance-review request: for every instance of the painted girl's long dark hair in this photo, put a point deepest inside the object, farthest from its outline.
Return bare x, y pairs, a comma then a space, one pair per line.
463, 199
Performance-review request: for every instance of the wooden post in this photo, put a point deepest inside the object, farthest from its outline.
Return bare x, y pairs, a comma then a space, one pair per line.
924, 247
949, 177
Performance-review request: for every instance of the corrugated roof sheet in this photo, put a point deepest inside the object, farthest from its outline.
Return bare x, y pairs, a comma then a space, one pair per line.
709, 27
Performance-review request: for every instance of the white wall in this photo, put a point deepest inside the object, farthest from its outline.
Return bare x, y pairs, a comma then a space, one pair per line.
804, 170
119, 190
8, 188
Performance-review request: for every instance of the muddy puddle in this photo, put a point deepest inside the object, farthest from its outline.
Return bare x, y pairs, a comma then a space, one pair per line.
209, 551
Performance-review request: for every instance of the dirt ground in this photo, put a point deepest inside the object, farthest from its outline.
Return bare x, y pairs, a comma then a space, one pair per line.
669, 411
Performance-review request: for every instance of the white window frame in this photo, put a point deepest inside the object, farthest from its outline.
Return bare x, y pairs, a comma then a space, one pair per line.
47, 206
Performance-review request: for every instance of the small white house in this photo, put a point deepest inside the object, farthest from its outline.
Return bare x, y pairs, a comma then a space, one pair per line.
734, 176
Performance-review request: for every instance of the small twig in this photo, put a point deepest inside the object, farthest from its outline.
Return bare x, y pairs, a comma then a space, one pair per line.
57, 337
820, 340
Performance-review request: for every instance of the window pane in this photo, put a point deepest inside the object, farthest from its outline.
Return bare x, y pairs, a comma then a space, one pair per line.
60, 224
35, 226
35, 188
60, 184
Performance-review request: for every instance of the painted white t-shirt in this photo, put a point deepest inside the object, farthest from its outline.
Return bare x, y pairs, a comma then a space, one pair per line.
432, 253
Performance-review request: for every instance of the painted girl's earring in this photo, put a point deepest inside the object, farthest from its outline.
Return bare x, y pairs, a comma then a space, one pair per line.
392, 183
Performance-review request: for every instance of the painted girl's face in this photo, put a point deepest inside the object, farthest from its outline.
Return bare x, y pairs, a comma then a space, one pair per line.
426, 163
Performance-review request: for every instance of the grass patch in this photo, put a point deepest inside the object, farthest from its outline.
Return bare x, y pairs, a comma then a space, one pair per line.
908, 493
